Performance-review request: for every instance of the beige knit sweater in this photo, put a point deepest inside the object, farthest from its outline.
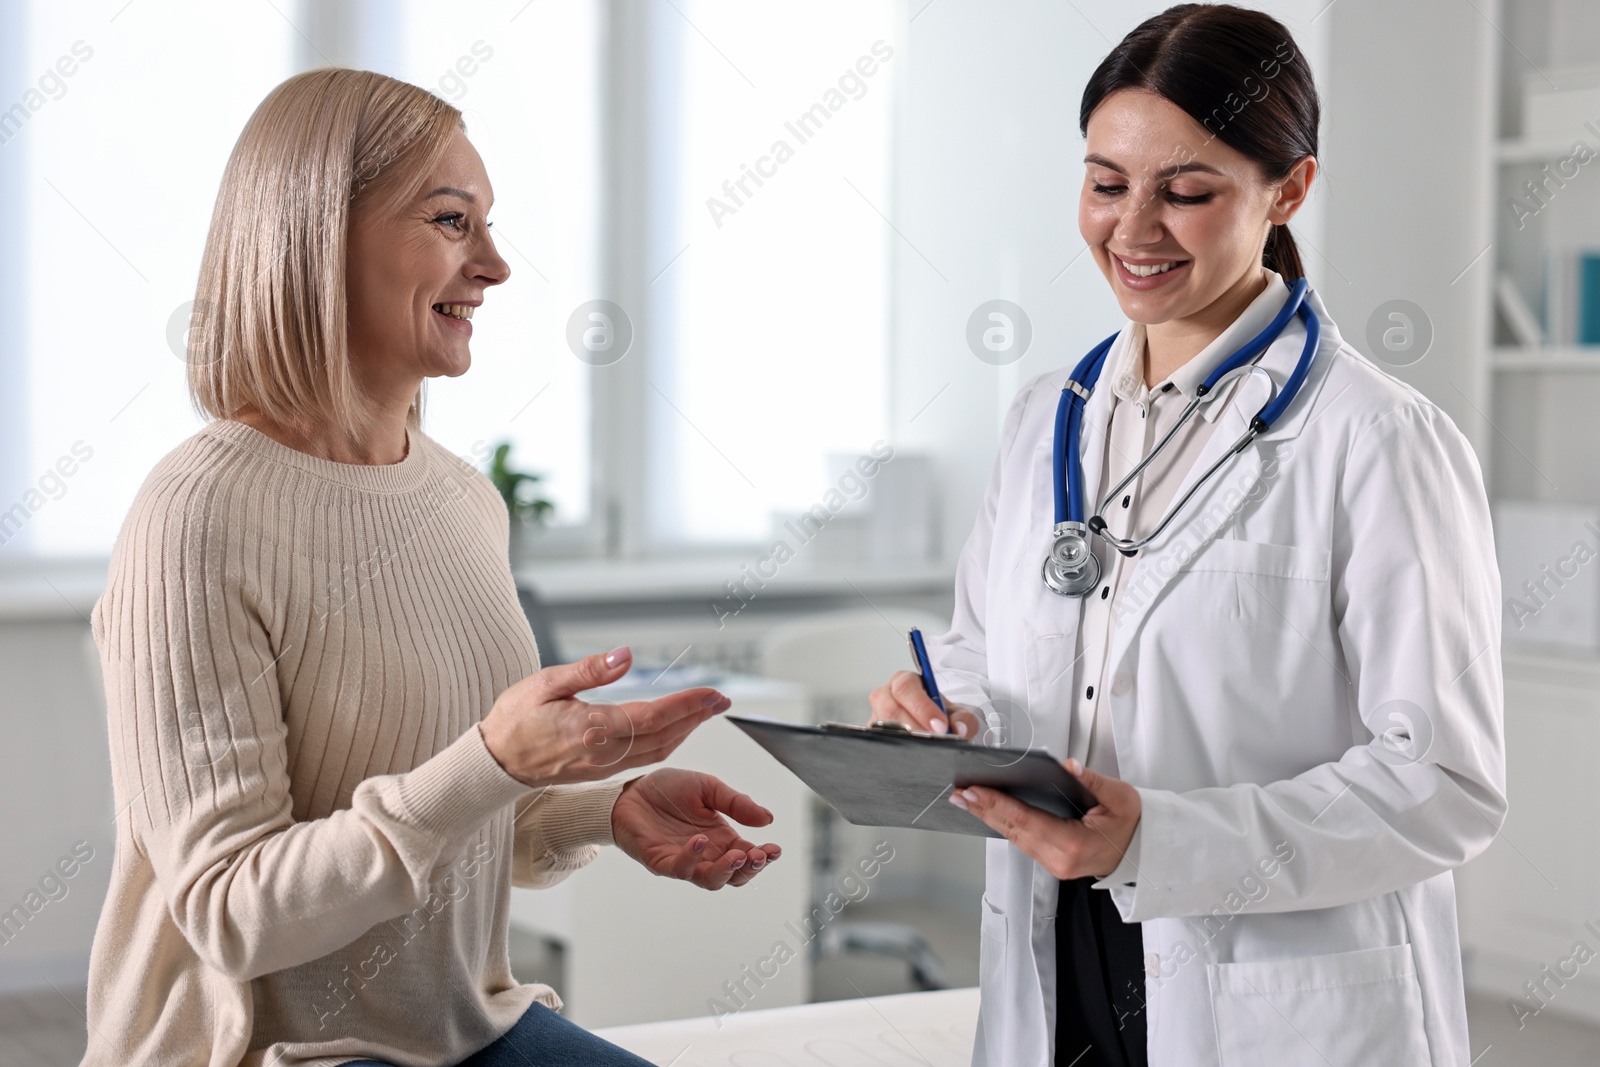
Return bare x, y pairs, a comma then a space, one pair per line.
315, 850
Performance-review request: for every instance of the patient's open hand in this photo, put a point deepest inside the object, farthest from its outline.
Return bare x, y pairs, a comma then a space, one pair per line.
671, 821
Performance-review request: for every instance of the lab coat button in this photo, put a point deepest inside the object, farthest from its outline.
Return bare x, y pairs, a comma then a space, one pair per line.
1121, 684
1152, 964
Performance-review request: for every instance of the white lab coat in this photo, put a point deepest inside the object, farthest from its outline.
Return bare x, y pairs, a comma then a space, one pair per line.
1332, 585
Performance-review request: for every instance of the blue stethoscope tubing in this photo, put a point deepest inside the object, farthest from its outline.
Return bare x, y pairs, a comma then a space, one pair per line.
1070, 568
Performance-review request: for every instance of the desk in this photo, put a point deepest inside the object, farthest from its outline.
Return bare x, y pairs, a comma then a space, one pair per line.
640, 948
909, 1030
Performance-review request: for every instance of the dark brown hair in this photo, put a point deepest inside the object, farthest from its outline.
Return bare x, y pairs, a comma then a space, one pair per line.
1236, 72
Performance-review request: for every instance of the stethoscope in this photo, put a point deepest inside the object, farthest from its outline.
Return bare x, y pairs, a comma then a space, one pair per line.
1071, 568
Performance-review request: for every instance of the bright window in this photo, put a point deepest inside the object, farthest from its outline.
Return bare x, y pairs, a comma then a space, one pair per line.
771, 204
117, 170
531, 103
778, 350
115, 175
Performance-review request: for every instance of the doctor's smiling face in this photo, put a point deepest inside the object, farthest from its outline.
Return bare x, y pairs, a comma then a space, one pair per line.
1175, 218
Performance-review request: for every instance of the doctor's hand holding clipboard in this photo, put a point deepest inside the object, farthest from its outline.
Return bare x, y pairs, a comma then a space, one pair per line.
1068, 848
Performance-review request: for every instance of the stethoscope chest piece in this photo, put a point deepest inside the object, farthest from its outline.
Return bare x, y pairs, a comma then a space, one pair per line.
1071, 568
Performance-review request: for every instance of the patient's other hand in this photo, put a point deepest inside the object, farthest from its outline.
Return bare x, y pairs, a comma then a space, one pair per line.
671, 821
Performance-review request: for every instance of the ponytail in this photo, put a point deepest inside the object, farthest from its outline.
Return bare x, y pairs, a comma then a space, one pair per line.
1281, 254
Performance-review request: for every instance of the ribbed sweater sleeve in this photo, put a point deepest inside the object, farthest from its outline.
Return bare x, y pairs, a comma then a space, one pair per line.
559, 829
251, 888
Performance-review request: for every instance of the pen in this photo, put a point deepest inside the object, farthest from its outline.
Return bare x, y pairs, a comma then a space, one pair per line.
919, 656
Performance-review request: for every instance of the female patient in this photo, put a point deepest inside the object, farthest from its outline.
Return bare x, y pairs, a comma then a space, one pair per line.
333, 750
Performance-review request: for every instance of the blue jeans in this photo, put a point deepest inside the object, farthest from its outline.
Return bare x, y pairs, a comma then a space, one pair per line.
542, 1038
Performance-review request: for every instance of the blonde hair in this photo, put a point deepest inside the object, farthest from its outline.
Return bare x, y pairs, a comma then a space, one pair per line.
269, 330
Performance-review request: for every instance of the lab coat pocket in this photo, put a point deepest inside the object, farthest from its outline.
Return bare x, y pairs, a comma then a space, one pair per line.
1048, 660
1258, 557
992, 952
1236, 580
1347, 1008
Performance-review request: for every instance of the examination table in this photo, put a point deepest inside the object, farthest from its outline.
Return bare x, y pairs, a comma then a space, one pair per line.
932, 1029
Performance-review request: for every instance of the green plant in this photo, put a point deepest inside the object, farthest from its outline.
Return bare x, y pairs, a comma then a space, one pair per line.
518, 488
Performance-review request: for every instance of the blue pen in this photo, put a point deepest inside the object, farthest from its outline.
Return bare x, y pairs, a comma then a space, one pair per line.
919, 656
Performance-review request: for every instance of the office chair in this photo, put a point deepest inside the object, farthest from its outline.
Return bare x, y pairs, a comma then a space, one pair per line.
544, 630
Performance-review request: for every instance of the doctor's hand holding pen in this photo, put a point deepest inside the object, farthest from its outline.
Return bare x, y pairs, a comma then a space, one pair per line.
912, 699
1092, 846
671, 821
903, 700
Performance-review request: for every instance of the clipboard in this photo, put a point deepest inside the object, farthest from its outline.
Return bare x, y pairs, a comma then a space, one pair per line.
888, 775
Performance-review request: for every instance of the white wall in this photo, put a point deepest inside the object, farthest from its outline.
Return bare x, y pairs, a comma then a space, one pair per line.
1406, 151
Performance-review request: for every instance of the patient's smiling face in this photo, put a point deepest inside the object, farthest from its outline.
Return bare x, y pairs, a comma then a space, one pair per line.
1176, 219
413, 279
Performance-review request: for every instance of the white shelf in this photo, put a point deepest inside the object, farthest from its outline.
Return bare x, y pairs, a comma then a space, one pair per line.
1563, 358
61, 590
46, 590
1525, 151
570, 582
1535, 665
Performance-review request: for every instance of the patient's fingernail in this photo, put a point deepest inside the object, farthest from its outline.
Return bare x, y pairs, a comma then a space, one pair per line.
699, 844
616, 655
716, 702
737, 864
958, 801
756, 865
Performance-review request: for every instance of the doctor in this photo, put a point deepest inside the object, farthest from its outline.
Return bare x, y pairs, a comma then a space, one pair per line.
1287, 701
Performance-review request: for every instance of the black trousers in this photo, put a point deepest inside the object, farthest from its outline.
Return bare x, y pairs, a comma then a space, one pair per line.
1100, 1019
